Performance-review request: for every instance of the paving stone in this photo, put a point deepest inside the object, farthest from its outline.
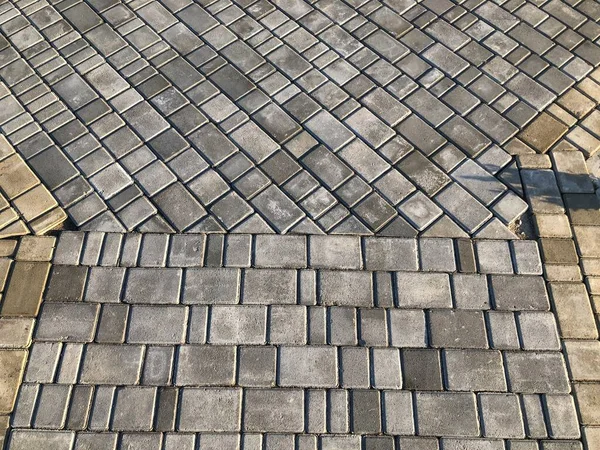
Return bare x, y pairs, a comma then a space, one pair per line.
390, 254
438, 414
210, 286
224, 415
422, 369
237, 325
11, 373
157, 324
111, 364
282, 286
346, 288
573, 310
150, 285
67, 322
411, 292
494, 257
457, 328
273, 410
25, 288
519, 293
437, 255
501, 416
307, 367
205, 366
104, 284
134, 408
52, 440
534, 372
543, 133
562, 417
582, 357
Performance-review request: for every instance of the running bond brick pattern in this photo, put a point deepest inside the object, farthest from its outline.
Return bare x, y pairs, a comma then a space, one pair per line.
235, 342
396, 118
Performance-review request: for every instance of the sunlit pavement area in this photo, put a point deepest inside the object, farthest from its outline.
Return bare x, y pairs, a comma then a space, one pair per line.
303, 225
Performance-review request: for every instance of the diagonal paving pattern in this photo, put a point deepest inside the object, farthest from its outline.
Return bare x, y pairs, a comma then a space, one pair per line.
212, 127
290, 116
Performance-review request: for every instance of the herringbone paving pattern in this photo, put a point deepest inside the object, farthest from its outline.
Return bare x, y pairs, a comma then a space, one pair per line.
354, 117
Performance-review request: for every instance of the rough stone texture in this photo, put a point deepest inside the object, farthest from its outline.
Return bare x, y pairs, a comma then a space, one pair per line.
401, 120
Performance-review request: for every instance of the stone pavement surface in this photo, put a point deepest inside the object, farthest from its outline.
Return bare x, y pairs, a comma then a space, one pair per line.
290, 116
160, 342
183, 139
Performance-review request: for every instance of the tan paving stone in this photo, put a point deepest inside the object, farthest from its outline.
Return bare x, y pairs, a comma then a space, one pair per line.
592, 123
36, 248
34, 203
16, 177
7, 216
588, 400
584, 140
25, 288
12, 363
7, 247
17, 228
52, 219
15, 332
543, 132
576, 103
584, 360
588, 241
562, 115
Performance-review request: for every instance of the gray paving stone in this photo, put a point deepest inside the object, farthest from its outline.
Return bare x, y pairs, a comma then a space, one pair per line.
257, 366
534, 372
210, 409
447, 414
437, 255
494, 257
519, 293
148, 285
463, 207
280, 251
211, 286
204, 365
390, 254
307, 367
411, 292
457, 328
111, 364
273, 410
269, 286
238, 325
157, 324
345, 288
67, 322
52, 440
134, 409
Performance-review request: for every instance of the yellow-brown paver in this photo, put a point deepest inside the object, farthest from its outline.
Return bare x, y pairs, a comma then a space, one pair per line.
25, 289
543, 133
12, 363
